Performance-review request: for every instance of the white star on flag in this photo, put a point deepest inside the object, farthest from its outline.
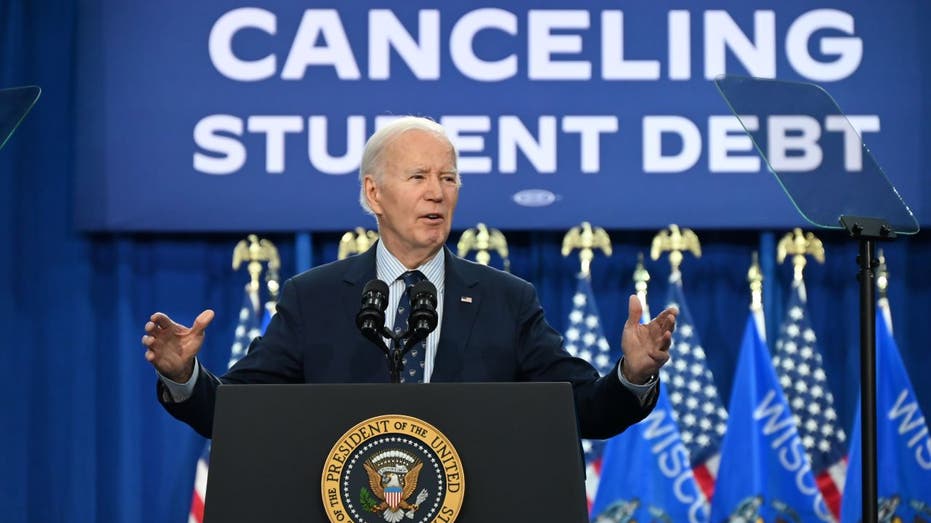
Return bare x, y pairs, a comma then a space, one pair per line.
688, 378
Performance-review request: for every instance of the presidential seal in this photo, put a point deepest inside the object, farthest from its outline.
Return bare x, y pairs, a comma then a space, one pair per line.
392, 468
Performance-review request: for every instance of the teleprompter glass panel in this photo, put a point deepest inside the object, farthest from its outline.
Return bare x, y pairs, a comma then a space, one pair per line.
815, 151
14, 104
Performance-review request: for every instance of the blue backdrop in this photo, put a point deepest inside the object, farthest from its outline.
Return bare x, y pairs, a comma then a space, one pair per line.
83, 438
253, 115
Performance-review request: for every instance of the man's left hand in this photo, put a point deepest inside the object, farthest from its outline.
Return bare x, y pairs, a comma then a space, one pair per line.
646, 346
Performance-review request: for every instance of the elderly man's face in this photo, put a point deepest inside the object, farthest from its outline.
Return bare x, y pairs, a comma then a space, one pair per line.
416, 195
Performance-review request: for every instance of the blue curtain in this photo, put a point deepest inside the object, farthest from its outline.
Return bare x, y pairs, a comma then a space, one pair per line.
82, 437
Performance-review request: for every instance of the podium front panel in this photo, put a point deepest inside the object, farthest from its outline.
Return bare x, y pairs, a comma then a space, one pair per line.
518, 444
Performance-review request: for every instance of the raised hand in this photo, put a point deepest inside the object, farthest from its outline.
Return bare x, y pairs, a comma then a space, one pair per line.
171, 347
646, 346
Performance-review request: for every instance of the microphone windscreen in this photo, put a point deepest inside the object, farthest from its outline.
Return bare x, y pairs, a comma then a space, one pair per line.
424, 286
375, 285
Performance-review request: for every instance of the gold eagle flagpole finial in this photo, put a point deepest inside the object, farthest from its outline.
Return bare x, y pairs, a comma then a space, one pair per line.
755, 278
641, 281
675, 241
272, 279
586, 238
254, 251
882, 286
797, 244
882, 277
483, 239
355, 242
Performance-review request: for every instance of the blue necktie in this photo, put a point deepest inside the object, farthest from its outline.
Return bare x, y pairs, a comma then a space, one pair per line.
414, 360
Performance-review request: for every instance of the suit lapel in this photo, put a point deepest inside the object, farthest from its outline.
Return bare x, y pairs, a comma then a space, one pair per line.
460, 308
361, 269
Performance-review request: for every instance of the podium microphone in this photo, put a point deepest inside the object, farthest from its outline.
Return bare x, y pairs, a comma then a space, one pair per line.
423, 318
371, 317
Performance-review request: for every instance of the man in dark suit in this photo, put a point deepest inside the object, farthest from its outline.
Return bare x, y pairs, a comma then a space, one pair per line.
491, 324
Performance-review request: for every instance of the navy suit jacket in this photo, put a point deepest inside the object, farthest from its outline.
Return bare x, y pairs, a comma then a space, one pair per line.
498, 335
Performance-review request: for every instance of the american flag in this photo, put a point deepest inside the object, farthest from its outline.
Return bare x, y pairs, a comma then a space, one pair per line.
249, 326
585, 339
798, 364
696, 405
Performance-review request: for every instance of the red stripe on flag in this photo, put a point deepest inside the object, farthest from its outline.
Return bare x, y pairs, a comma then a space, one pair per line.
829, 491
197, 507
705, 479
596, 471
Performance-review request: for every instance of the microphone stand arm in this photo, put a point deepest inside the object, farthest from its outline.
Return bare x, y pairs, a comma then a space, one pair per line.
377, 340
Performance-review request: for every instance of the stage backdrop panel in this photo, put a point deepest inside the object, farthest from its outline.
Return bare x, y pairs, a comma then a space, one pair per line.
213, 116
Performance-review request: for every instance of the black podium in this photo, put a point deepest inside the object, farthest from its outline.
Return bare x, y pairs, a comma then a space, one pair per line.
516, 444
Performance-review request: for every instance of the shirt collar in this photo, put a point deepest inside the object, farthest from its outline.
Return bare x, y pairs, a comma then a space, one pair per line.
389, 268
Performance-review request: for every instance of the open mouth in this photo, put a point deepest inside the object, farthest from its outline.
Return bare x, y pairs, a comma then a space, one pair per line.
433, 217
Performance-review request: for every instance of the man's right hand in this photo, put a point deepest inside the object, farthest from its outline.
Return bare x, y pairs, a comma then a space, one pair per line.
171, 347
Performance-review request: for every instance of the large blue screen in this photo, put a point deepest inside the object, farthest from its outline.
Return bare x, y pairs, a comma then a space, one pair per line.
213, 116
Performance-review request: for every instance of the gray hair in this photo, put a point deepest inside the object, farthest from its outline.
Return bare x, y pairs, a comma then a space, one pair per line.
376, 144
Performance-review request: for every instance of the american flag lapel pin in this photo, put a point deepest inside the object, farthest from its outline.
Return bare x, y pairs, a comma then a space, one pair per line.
466, 299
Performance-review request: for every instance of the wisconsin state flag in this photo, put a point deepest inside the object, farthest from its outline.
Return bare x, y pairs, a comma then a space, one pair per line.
903, 447
765, 474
